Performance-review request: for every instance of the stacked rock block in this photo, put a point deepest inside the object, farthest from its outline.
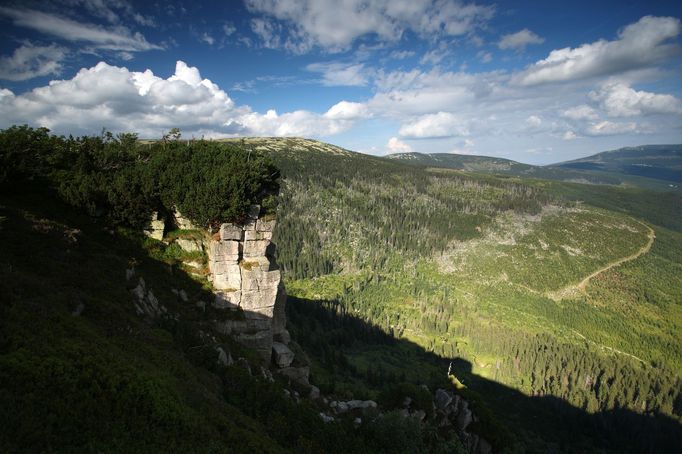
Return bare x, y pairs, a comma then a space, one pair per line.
245, 276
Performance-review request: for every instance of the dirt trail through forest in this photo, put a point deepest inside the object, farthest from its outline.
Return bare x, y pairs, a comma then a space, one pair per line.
643, 250
582, 285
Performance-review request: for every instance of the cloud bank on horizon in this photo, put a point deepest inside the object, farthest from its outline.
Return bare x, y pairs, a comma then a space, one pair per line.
380, 76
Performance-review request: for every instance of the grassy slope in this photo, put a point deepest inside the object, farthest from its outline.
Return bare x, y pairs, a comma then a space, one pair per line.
104, 380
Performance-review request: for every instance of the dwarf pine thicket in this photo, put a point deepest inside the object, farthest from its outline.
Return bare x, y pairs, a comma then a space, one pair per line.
117, 177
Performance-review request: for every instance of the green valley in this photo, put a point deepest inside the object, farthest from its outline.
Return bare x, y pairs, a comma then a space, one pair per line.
494, 271
554, 307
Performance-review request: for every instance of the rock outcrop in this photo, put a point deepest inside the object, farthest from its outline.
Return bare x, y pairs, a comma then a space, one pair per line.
156, 227
246, 278
246, 281
452, 410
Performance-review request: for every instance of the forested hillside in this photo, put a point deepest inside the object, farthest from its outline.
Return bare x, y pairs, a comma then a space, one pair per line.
491, 270
109, 344
656, 167
555, 305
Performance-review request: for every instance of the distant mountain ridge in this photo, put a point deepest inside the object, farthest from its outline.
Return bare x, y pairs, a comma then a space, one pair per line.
462, 162
661, 162
650, 166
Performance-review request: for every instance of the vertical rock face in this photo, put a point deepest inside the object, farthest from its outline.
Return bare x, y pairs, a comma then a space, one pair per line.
245, 276
155, 227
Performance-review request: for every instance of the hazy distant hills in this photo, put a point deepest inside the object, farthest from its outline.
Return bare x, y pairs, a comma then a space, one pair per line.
650, 166
661, 162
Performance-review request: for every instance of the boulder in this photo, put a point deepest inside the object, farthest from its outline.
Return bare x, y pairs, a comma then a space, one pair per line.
181, 294
140, 290
314, 392
266, 374
443, 399
224, 358
282, 336
341, 407
260, 341
231, 232
244, 364
326, 418
189, 245
194, 265
464, 416
355, 404
282, 356
182, 222
145, 301
300, 355
299, 375
263, 225
156, 227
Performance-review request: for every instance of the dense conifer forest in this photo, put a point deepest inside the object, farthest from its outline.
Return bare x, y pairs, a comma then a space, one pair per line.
379, 239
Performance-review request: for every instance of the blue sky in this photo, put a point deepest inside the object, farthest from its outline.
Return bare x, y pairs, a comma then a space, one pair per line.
537, 82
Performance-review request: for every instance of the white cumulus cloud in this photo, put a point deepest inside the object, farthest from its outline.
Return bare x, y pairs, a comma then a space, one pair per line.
639, 45
519, 40
581, 112
620, 100
534, 121
441, 124
395, 145
345, 110
123, 100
